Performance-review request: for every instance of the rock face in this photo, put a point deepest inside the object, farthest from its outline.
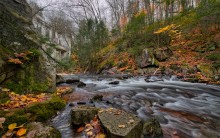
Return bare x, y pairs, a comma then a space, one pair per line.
120, 124
82, 114
36, 72
161, 54
39, 130
147, 59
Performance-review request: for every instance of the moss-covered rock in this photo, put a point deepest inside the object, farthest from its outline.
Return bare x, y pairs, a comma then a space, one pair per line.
39, 130
35, 74
43, 111
39, 112
152, 129
82, 114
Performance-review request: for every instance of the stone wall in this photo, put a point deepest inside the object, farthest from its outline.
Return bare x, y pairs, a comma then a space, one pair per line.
37, 72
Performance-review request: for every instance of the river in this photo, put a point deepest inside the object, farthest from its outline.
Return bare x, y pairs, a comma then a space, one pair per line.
184, 110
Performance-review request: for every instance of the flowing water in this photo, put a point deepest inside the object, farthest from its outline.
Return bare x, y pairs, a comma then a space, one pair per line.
185, 110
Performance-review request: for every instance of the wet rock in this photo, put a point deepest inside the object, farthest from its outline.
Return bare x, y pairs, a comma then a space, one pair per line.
73, 80
81, 84
59, 79
152, 128
82, 114
109, 102
81, 103
161, 119
71, 104
120, 124
39, 130
114, 82
97, 98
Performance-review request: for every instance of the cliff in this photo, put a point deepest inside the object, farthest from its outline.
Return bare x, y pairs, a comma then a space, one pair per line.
24, 67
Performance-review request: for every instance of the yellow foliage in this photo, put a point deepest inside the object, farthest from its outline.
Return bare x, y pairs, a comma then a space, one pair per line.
12, 126
164, 29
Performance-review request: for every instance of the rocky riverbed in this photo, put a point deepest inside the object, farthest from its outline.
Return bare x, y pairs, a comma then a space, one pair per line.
183, 109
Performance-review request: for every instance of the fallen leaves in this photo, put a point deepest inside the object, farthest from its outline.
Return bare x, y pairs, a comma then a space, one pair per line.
2, 120
12, 126
121, 126
79, 130
63, 90
13, 130
92, 129
131, 121
21, 132
20, 101
15, 61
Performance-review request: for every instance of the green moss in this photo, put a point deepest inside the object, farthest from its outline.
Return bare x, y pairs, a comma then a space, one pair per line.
13, 116
214, 57
206, 70
152, 128
4, 97
108, 63
43, 111
26, 86
40, 112
35, 53
20, 17
216, 65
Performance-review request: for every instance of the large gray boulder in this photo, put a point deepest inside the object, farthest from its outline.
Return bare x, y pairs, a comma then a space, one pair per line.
120, 124
37, 71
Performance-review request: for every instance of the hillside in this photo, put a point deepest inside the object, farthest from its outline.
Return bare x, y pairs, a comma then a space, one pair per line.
187, 45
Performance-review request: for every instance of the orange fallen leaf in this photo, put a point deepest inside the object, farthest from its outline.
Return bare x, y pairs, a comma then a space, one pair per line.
79, 130
21, 132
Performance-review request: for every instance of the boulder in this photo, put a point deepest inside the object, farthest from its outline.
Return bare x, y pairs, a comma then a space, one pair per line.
82, 114
73, 80
114, 82
59, 79
120, 124
39, 130
147, 59
161, 54
152, 129
81, 84
97, 97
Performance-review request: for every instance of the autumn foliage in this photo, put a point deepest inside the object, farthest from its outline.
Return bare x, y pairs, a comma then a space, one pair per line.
21, 101
20, 58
